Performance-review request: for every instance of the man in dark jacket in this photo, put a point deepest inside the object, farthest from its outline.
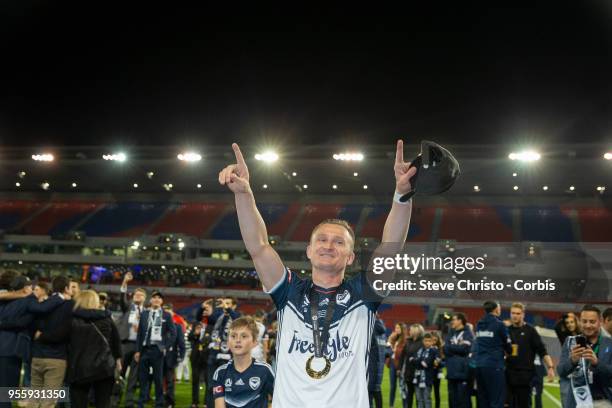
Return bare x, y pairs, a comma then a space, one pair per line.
156, 335
492, 340
520, 367
174, 355
16, 317
199, 340
457, 349
50, 345
376, 362
589, 368
128, 332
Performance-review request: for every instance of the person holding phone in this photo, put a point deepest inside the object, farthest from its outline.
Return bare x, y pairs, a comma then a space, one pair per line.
586, 361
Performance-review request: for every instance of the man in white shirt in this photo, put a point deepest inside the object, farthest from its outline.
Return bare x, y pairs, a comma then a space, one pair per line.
321, 361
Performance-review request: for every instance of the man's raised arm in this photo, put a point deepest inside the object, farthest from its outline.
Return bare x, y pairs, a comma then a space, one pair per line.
268, 264
398, 220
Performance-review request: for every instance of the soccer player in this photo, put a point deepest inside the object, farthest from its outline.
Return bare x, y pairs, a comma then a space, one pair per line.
321, 361
243, 382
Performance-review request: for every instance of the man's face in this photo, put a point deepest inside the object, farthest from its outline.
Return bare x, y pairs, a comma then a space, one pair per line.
74, 288
156, 301
456, 323
517, 316
39, 292
608, 324
241, 341
139, 297
208, 310
331, 248
590, 322
228, 303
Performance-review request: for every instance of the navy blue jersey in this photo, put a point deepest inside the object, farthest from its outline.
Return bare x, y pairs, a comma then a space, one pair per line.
249, 389
492, 339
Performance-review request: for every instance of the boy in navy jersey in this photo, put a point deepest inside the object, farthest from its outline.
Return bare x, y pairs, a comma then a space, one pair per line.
243, 382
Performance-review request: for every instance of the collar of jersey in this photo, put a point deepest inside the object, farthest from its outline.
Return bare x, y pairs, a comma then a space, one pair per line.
326, 291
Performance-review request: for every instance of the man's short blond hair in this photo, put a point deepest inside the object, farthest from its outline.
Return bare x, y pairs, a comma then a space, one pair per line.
335, 221
518, 305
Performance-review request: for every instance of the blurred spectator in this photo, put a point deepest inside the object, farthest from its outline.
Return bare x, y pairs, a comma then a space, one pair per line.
95, 354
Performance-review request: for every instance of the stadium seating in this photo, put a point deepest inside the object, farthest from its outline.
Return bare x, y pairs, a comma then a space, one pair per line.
218, 220
546, 224
123, 219
420, 224
316, 212
192, 219
60, 217
476, 224
12, 213
595, 224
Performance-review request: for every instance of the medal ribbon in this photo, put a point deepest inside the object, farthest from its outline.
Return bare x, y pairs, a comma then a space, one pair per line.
320, 332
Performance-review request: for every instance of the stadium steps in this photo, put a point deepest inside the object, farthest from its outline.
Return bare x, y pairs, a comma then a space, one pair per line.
159, 219
32, 216
88, 217
295, 223
575, 224
516, 225
220, 217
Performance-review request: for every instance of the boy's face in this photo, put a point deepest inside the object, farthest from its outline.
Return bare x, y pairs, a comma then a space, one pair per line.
241, 341
427, 342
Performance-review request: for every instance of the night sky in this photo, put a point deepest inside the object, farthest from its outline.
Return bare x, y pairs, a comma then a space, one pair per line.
163, 75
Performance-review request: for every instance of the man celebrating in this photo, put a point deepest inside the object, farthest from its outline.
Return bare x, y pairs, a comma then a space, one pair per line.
325, 323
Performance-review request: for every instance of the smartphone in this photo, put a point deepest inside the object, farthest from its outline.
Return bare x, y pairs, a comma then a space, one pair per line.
581, 341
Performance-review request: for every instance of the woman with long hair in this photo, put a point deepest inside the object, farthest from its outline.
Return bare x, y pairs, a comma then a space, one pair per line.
94, 353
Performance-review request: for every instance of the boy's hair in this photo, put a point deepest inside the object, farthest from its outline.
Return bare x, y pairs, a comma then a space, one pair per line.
428, 336
248, 323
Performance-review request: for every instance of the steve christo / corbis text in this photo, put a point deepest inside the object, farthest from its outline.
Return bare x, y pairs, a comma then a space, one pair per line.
465, 285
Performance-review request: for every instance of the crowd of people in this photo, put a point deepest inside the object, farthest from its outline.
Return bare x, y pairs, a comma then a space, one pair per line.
502, 363
57, 335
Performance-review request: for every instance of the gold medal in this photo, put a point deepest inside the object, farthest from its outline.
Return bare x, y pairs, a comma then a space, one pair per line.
317, 374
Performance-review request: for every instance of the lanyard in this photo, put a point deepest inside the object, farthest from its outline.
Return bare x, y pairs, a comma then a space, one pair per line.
320, 332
